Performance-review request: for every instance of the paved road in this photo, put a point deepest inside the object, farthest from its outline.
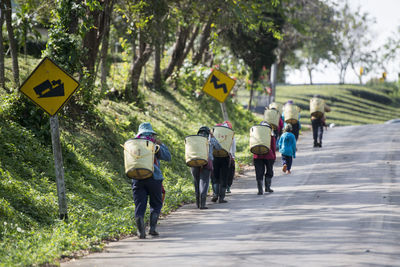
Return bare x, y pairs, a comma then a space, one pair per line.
339, 207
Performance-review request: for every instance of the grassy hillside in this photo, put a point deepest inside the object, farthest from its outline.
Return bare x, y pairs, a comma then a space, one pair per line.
351, 104
100, 204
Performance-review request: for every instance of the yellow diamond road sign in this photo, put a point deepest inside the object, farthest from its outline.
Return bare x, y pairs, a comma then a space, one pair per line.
49, 86
219, 85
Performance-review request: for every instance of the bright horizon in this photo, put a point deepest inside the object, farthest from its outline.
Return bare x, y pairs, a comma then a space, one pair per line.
386, 13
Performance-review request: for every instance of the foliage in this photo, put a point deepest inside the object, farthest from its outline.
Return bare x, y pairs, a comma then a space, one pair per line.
65, 48
351, 39
255, 43
100, 205
25, 23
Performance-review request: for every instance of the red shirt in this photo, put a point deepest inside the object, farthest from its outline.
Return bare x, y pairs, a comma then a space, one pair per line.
271, 154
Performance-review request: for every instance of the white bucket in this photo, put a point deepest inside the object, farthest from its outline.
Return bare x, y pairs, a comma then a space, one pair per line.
317, 107
196, 150
291, 113
224, 136
260, 139
276, 106
272, 117
139, 158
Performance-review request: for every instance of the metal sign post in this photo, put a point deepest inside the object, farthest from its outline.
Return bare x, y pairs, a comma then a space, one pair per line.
224, 112
50, 87
59, 168
274, 75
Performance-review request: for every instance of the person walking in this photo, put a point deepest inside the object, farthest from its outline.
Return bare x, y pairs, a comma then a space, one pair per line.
264, 166
287, 148
296, 126
201, 175
151, 187
221, 170
318, 119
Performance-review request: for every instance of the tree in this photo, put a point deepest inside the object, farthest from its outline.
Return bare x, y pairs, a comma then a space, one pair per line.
255, 42
390, 51
104, 66
6, 5
2, 77
350, 39
307, 35
138, 16
25, 25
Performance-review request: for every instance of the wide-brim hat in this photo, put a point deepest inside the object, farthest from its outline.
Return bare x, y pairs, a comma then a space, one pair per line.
145, 128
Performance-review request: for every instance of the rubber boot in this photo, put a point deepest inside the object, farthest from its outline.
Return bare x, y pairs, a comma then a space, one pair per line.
222, 190
259, 187
197, 201
315, 143
153, 223
140, 227
268, 185
216, 192
203, 203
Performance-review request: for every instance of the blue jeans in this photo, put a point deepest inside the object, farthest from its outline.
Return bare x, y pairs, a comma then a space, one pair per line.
288, 161
142, 189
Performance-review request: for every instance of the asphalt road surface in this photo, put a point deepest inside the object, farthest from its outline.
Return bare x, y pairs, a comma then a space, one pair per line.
339, 207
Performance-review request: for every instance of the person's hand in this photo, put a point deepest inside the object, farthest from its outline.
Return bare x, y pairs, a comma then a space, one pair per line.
157, 141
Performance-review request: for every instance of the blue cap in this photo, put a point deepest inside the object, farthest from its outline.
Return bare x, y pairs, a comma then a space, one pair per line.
145, 128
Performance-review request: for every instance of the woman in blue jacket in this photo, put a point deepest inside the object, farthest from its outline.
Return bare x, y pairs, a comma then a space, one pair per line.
150, 187
287, 148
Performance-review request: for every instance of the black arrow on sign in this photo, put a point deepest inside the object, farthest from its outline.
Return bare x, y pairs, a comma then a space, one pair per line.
215, 80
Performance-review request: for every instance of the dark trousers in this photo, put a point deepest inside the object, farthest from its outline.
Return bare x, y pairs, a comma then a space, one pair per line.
318, 130
264, 170
221, 168
296, 130
142, 189
201, 180
231, 173
288, 161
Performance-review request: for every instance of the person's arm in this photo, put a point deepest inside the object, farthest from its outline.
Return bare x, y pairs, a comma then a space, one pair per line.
164, 153
214, 143
294, 146
233, 148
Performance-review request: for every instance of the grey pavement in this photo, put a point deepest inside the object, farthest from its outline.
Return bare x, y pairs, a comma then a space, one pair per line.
339, 207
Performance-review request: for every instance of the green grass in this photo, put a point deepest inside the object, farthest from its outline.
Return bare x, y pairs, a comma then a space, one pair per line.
99, 196
350, 104
100, 205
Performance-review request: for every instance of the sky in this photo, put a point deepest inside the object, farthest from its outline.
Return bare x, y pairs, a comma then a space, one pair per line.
387, 16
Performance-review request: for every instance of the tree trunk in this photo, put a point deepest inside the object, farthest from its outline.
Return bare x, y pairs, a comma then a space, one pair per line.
204, 42
92, 39
138, 62
157, 79
104, 48
179, 48
251, 93
13, 44
2, 78
189, 47
309, 70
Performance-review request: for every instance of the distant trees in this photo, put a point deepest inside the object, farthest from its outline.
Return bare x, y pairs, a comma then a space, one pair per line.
166, 35
307, 35
351, 40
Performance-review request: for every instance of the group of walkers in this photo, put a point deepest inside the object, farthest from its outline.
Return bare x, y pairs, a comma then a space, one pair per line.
218, 164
